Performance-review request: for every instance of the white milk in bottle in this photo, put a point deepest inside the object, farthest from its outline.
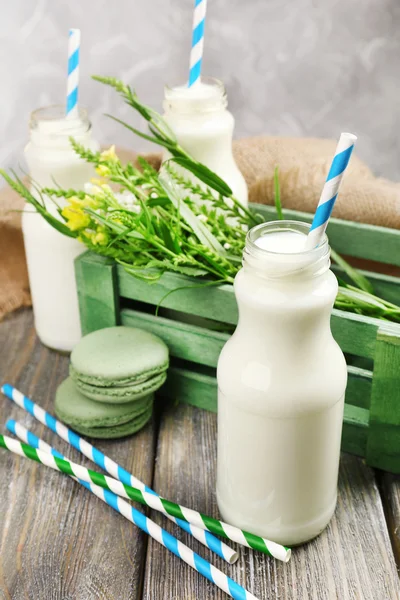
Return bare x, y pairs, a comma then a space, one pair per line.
50, 255
203, 126
281, 384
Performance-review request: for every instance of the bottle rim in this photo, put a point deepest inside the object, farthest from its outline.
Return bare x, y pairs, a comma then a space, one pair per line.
185, 100
44, 117
271, 264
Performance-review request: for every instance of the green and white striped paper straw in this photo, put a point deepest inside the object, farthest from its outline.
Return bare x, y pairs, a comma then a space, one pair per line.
198, 563
230, 532
204, 537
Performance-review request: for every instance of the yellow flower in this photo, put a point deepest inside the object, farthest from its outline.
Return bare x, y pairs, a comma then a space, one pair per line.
103, 171
109, 155
100, 238
76, 218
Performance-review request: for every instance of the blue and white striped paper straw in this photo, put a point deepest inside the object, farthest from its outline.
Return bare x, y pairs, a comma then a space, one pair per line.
198, 563
204, 537
74, 44
331, 189
196, 53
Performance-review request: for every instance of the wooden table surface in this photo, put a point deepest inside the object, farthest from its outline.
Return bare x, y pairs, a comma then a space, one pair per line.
59, 542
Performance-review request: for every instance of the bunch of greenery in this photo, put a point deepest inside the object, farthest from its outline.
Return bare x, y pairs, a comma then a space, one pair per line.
183, 218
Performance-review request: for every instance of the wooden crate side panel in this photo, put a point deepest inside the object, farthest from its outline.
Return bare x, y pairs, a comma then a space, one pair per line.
185, 341
347, 237
97, 292
355, 334
383, 446
212, 302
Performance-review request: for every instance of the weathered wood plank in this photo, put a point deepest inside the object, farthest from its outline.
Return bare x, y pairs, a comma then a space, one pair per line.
353, 239
351, 560
390, 486
56, 539
383, 448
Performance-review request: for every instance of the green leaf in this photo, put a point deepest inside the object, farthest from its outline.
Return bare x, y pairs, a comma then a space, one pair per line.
135, 131
355, 276
203, 233
204, 174
277, 194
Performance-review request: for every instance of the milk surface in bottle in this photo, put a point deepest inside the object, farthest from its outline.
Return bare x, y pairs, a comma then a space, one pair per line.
50, 254
203, 126
281, 384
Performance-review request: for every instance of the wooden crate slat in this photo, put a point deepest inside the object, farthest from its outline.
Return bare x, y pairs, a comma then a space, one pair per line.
185, 341
98, 294
347, 237
383, 448
216, 303
359, 385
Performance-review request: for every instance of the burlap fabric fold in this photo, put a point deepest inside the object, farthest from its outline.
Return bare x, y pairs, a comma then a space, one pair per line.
303, 165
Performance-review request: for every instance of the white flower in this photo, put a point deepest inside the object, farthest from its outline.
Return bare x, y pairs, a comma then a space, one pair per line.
202, 218
227, 246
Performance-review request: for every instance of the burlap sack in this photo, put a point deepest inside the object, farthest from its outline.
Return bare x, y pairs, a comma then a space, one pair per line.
303, 165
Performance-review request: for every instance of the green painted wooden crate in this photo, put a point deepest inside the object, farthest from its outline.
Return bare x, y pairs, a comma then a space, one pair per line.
109, 296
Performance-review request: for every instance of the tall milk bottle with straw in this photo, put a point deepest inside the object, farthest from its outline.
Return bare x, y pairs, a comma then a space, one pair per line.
198, 115
281, 382
50, 255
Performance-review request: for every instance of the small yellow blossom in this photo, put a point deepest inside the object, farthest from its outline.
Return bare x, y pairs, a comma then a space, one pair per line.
100, 238
109, 155
76, 218
103, 171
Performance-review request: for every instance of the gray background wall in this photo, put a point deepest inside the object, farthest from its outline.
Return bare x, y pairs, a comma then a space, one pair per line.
291, 67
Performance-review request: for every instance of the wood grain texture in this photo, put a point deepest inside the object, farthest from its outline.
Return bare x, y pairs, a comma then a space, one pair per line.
390, 485
351, 560
57, 541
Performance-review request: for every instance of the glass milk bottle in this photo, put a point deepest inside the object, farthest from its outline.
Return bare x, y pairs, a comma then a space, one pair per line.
281, 385
203, 126
50, 254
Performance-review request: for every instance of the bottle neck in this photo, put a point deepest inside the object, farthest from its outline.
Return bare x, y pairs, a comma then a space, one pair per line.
205, 97
276, 251
49, 128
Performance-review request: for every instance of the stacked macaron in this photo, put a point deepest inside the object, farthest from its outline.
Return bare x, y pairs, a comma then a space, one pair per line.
114, 373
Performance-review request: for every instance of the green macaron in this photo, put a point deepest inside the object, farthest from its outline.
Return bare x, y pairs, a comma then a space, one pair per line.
98, 419
119, 364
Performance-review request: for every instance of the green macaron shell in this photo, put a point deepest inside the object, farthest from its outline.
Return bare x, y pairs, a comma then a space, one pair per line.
118, 356
120, 394
117, 431
76, 410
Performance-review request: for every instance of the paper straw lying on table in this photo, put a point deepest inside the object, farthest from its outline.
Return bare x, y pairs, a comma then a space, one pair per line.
330, 190
144, 523
204, 537
204, 522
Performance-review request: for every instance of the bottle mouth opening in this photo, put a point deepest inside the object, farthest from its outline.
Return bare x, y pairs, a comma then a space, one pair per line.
52, 119
207, 95
264, 229
277, 264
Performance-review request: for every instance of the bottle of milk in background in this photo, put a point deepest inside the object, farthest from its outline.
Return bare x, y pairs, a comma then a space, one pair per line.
50, 254
203, 126
281, 385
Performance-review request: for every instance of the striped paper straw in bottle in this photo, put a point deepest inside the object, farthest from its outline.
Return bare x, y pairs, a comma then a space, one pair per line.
74, 44
198, 563
331, 189
204, 537
196, 53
